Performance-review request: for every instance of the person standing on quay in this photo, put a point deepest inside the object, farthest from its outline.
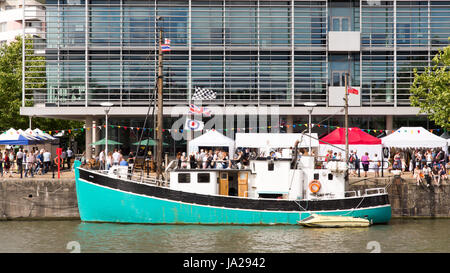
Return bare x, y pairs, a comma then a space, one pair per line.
1, 163
102, 159
47, 161
19, 157
365, 163
31, 158
376, 165
11, 161
7, 163
116, 157
69, 155
63, 159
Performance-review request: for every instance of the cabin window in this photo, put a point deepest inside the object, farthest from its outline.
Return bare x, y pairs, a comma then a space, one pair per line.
271, 195
270, 165
316, 176
330, 176
203, 178
184, 178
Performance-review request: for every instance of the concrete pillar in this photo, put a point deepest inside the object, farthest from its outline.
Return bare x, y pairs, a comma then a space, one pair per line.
96, 134
289, 123
389, 123
88, 138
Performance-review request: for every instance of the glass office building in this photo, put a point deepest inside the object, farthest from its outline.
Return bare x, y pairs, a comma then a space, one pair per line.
259, 53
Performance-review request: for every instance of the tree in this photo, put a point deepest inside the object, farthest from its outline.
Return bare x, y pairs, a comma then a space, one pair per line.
11, 87
431, 89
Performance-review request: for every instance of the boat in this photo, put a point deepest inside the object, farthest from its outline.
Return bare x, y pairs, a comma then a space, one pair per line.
318, 220
267, 191
264, 191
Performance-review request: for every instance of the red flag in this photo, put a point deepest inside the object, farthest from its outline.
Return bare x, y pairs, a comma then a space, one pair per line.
352, 90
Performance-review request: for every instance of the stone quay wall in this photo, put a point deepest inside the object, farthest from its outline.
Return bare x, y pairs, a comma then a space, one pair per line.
30, 199
53, 199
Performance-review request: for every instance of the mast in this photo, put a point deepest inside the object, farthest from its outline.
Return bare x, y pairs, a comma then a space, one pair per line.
346, 120
159, 128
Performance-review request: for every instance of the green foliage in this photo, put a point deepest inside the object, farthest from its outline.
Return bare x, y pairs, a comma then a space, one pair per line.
431, 89
11, 88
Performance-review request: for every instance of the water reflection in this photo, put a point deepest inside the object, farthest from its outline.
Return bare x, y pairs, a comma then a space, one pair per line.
53, 236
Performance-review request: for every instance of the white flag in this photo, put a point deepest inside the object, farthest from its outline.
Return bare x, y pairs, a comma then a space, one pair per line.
193, 125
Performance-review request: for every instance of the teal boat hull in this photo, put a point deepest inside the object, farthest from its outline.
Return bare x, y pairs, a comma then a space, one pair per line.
99, 203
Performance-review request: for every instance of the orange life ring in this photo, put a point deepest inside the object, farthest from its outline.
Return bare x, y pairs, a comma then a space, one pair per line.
314, 186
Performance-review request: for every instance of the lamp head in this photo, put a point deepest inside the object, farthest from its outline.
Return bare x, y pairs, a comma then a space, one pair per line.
310, 104
106, 104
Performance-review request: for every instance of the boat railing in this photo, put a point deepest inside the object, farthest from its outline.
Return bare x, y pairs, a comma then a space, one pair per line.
134, 177
215, 164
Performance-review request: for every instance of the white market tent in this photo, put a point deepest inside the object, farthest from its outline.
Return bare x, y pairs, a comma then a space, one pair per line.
37, 132
414, 137
274, 140
211, 139
268, 141
16, 137
29, 136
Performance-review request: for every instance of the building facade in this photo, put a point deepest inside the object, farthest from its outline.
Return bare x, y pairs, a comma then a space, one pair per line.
11, 21
252, 53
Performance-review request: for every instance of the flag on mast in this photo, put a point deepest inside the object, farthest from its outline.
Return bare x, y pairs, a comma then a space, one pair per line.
203, 94
166, 46
193, 125
194, 109
352, 90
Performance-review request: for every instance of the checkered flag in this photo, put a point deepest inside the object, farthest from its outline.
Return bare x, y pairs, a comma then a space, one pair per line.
203, 94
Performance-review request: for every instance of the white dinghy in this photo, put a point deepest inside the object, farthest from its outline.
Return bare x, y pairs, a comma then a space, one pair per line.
317, 220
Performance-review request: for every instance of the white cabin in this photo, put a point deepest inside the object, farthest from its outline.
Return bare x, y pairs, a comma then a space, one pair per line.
265, 178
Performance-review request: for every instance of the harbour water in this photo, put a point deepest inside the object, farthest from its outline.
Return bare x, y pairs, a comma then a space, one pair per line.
400, 235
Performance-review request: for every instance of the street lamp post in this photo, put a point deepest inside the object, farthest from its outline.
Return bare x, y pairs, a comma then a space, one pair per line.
107, 107
310, 106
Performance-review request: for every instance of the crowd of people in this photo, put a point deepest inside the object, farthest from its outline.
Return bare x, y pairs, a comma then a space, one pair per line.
32, 162
427, 166
217, 159
106, 161
433, 164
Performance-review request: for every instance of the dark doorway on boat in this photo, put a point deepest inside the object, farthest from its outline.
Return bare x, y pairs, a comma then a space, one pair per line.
232, 184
